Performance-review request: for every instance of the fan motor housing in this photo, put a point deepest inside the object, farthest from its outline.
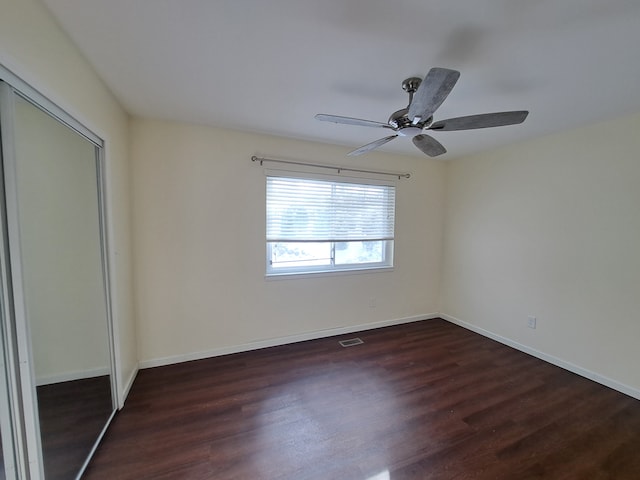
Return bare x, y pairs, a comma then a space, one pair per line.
409, 131
400, 121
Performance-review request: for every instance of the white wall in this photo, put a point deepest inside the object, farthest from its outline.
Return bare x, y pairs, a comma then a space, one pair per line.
33, 47
551, 228
199, 229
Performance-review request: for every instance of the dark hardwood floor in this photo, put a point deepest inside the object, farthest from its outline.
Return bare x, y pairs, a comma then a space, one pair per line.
426, 400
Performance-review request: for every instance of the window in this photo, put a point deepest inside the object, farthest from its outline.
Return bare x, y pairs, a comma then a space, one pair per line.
316, 225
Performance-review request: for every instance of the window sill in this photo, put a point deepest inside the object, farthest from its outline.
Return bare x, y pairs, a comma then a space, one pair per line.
325, 273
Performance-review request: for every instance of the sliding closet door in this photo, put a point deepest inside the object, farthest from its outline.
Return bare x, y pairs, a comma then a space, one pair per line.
7, 454
58, 275
13, 461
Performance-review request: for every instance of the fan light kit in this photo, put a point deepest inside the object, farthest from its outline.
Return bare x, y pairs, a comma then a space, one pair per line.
425, 96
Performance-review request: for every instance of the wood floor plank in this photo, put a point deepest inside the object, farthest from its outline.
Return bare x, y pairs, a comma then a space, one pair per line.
426, 400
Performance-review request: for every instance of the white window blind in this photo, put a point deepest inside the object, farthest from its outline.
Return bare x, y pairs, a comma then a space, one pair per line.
310, 210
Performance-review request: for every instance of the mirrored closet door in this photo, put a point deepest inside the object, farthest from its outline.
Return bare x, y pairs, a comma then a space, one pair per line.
55, 250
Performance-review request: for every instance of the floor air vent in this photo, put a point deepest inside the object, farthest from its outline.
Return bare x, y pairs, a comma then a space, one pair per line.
351, 342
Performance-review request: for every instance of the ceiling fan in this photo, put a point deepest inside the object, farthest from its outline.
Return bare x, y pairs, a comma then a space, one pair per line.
425, 96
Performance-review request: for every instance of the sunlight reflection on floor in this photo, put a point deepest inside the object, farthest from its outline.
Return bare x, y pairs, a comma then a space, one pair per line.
381, 476
314, 420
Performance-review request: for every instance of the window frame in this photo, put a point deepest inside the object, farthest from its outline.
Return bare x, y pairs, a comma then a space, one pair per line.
388, 246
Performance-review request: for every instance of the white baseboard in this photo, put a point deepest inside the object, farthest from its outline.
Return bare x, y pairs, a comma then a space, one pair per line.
608, 382
69, 376
127, 388
273, 342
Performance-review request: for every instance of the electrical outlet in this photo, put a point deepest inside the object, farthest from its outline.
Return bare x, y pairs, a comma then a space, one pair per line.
531, 321
372, 302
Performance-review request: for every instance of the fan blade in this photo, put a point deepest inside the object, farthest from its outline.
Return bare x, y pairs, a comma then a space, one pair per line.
431, 93
351, 121
370, 146
484, 120
429, 145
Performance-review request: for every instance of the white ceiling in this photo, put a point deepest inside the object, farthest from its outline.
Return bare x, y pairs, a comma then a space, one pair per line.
270, 65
